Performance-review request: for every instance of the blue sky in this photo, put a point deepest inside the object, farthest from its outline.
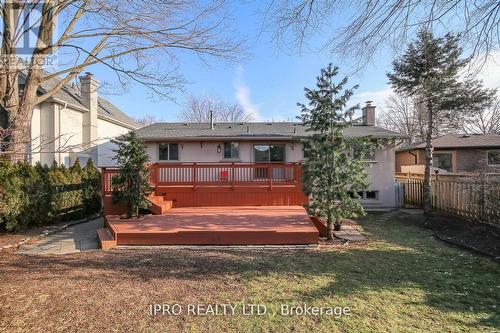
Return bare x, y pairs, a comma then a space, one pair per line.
268, 82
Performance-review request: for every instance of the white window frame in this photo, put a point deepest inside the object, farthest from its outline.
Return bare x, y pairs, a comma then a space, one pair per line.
232, 158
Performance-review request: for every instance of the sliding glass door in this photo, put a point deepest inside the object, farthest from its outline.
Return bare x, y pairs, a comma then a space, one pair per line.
267, 153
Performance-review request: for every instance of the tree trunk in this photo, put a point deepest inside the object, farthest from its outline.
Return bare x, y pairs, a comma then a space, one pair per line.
337, 225
17, 146
330, 227
427, 195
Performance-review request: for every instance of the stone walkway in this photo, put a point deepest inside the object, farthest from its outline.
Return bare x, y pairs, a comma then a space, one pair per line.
77, 238
350, 233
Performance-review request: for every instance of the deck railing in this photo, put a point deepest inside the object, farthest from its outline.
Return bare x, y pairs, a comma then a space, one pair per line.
217, 174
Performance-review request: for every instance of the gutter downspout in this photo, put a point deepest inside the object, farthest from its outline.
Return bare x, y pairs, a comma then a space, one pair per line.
414, 155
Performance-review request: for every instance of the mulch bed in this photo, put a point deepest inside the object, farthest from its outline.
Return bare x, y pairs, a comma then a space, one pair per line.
474, 236
479, 237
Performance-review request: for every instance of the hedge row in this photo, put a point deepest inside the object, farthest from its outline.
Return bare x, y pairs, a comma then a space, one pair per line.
39, 195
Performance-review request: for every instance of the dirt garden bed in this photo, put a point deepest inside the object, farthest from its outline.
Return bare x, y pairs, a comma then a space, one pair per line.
478, 237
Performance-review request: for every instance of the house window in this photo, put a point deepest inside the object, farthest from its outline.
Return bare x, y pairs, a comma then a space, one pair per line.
269, 153
168, 152
365, 195
231, 150
494, 157
443, 161
371, 195
306, 148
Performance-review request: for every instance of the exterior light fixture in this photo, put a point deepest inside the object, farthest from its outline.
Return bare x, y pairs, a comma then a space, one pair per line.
219, 149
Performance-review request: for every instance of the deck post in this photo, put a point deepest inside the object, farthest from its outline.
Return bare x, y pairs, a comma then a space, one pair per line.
154, 175
232, 176
194, 176
103, 181
270, 175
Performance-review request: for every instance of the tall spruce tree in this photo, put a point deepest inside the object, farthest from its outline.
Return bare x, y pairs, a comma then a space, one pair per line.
131, 183
334, 171
431, 70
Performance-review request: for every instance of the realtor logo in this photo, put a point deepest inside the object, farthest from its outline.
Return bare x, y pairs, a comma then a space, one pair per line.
31, 24
31, 15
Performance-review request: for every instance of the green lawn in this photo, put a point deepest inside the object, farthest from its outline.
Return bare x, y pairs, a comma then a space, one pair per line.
403, 280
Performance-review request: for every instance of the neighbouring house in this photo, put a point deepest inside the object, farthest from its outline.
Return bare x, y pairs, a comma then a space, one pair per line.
453, 153
251, 163
76, 123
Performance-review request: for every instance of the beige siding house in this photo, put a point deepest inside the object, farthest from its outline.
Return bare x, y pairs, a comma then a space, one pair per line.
76, 123
250, 145
454, 153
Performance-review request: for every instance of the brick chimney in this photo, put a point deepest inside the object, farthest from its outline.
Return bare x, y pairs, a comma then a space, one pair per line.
369, 114
88, 91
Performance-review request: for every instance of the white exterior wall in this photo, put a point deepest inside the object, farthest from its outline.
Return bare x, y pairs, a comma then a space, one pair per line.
380, 171
57, 135
195, 151
56, 132
381, 179
106, 131
35, 135
71, 136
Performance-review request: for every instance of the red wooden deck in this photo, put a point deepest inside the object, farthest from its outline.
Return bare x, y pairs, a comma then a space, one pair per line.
219, 184
242, 225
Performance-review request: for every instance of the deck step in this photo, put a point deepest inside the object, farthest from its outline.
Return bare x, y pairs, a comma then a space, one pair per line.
320, 224
106, 239
159, 205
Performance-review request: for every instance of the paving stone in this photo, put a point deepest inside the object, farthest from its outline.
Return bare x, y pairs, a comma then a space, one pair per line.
74, 239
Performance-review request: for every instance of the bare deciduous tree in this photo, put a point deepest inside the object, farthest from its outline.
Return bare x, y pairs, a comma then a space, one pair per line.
403, 115
408, 116
146, 120
198, 110
372, 24
138, 40
481, 121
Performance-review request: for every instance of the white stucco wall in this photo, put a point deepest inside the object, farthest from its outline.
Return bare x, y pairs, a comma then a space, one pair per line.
57, 135
106, 131
381, 179
207, 152
56, 132
35, 136
71, 135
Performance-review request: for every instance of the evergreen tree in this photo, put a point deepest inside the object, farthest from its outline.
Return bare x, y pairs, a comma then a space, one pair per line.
430, 70
334, 171
131, 183
91, 188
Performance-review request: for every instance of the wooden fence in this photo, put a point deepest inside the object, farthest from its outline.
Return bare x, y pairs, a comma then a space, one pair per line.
472, 196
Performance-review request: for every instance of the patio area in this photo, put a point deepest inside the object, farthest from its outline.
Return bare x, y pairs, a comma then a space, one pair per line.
236, 225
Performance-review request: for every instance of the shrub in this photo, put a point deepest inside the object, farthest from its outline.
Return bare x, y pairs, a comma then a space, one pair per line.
38, 195
91, 188
11, 196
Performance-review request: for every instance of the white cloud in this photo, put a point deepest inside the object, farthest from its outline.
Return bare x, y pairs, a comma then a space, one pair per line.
489, 74
377, 97
490, 70
242, 94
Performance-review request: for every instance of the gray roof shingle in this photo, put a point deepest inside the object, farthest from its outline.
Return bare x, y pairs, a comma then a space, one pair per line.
245, 131
71, 95
459, 141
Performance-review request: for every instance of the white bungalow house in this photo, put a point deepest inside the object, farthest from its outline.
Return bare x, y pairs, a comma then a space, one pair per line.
76, 123
249, 163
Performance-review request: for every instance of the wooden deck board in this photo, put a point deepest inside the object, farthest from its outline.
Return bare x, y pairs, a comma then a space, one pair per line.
218, 226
